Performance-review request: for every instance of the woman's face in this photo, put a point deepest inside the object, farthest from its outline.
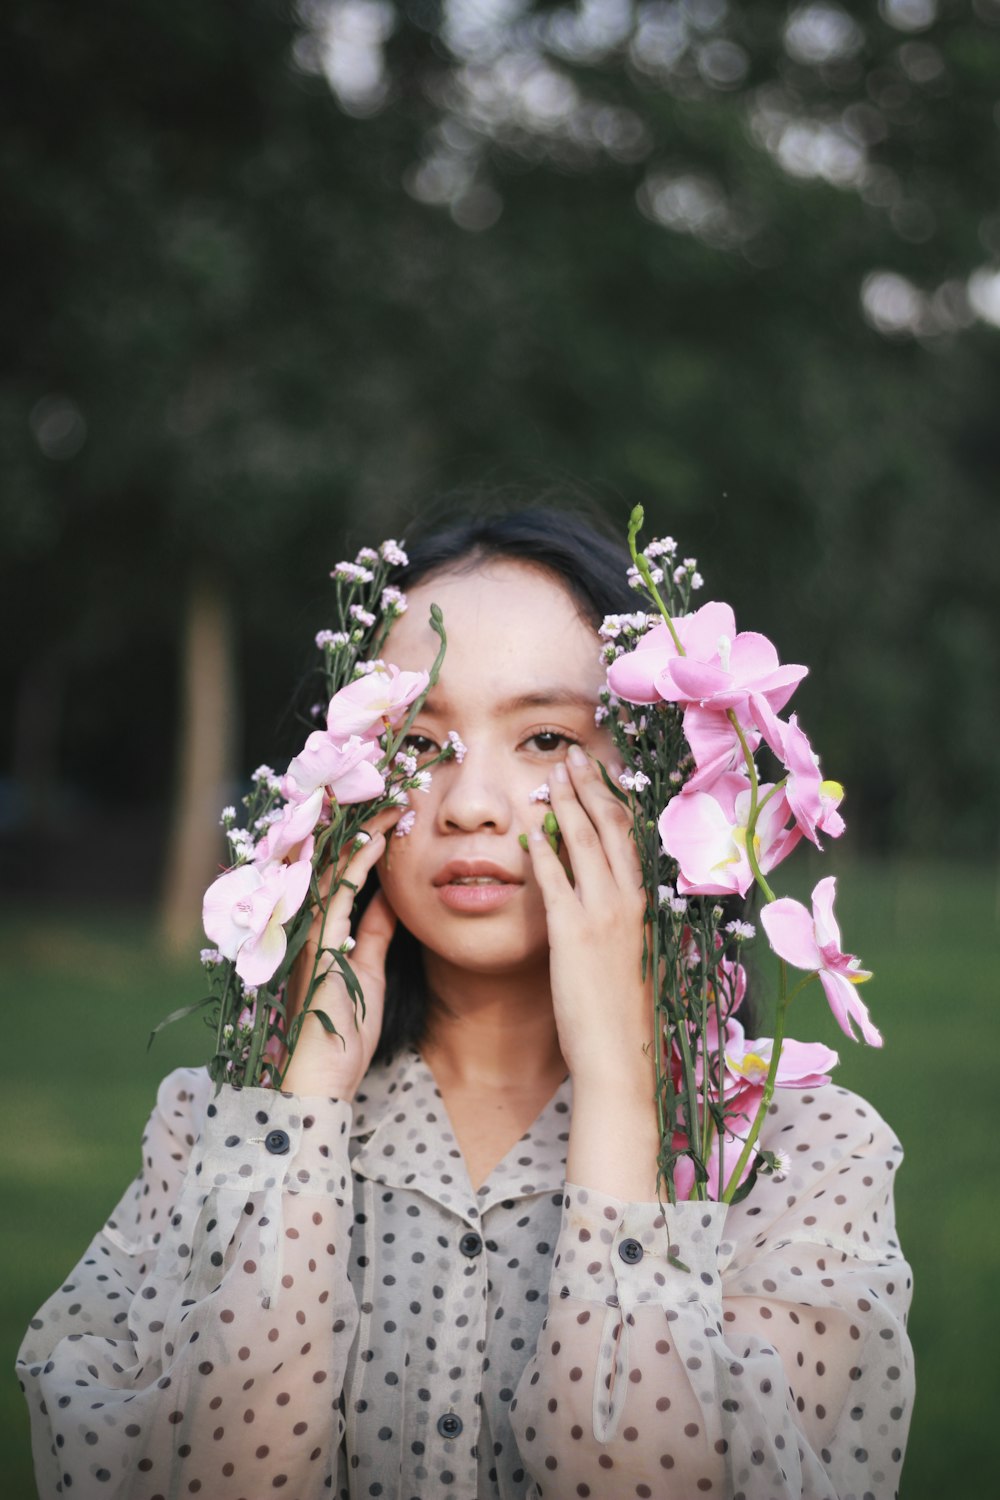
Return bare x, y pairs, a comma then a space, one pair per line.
519, 685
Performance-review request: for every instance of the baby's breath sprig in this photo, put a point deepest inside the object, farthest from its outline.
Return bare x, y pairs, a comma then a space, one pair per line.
292, 832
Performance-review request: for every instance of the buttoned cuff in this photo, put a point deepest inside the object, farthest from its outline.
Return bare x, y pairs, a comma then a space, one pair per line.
259, 1138
625, 1254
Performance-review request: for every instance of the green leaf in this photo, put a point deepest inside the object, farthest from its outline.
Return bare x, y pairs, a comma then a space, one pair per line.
612, 787
746, 1186
179, 1015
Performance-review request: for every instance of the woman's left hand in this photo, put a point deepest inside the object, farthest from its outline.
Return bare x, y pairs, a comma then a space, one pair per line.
603, 1007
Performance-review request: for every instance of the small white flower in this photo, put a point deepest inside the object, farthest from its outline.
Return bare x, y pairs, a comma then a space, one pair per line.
782, 1167
363, 616
266, 819
241, 841
675, 778
210, 957
635, 579
670, 899
697, 581
346, 945
717, 913
398, 797
250, 995
227, 816
611, 627
366, 668
680, 574
601, 712
459, 750
332, 639
634, 781
406, 761
366, 557
392, 552
393, 601
264, 773
348, 572
741, 930
421, 782
540, 794
661, 547
690, 563
404, 825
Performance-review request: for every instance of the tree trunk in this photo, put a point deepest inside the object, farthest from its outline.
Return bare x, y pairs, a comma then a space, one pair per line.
205, 761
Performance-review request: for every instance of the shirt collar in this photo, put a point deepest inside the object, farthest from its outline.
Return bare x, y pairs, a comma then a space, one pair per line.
405, 1140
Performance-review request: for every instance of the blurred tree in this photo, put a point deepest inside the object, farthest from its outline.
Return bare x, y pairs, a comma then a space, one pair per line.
275, 273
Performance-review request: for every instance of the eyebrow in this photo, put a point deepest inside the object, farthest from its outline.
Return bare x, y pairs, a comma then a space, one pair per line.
551, 697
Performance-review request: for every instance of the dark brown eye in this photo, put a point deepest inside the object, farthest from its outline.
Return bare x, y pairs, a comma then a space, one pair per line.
548, 740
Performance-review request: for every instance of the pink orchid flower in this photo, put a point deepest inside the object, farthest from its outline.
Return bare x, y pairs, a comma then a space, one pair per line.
636, 676
378, 699
347, 769
715, 745
244, 912
706, 833
291, 837
801, 1065
729, 671
812, 942
814, 802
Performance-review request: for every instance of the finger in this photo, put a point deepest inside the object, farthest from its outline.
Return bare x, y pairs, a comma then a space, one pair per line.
612, 820
375, 932
591, 870
360, 858
550, 873
380, 823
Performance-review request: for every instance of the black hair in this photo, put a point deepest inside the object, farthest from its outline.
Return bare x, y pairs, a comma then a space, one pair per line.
578, 547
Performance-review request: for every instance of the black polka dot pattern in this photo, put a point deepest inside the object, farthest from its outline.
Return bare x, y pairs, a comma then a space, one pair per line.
312, 1323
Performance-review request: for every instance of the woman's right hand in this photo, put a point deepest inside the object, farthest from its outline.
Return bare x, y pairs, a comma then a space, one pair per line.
328, 1065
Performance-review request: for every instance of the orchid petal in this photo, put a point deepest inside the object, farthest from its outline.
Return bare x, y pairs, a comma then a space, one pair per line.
846, 1005
261, 955
791, 933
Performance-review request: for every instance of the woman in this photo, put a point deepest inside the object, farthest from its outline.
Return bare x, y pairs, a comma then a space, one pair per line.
435, 1265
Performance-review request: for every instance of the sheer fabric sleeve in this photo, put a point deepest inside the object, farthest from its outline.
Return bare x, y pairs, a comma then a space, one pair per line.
200, 1344
775, 1366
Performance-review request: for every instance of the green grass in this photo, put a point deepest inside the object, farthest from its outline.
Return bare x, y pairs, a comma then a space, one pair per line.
83, 992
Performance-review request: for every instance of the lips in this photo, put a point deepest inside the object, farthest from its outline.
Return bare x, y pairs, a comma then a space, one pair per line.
475, 872
475, 887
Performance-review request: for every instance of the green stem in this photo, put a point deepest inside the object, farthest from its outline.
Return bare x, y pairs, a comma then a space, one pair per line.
751, 830
768, 1094
642, 564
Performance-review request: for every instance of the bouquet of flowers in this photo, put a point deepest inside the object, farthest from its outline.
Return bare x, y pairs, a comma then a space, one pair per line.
288, 853
691, 704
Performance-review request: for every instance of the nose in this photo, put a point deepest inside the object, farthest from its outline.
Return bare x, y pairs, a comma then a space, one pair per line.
474, 796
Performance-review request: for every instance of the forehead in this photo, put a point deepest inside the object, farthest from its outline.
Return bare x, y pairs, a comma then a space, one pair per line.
511, 628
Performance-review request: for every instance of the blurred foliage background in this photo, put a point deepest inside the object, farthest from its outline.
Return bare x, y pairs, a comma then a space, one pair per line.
277, 275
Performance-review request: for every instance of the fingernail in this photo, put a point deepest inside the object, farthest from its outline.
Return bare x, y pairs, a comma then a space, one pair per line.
560, 772
576, 756
536, 835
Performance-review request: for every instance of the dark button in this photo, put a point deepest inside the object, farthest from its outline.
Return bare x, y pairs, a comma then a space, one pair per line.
449, 1425
470, 1244
277, 1142
631, 1251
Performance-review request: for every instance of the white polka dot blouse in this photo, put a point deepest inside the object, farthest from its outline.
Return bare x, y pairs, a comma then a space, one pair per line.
305, 1298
